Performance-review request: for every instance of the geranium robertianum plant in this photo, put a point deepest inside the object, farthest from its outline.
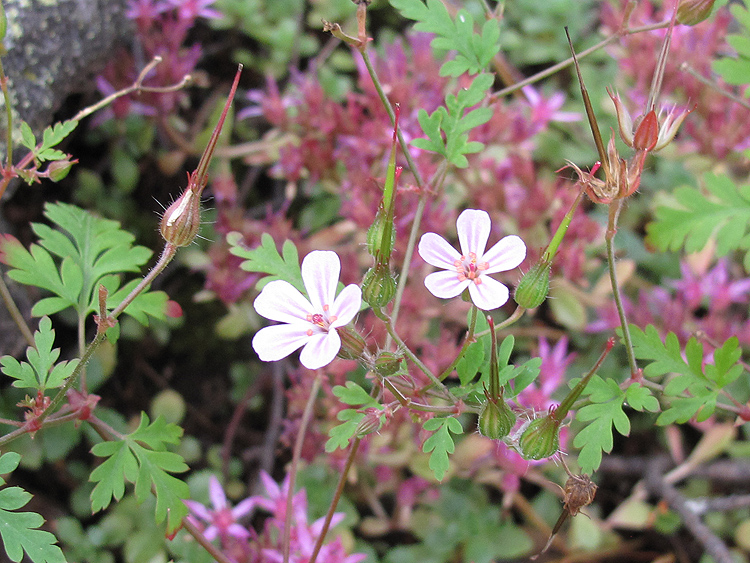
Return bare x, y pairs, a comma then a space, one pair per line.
404, 385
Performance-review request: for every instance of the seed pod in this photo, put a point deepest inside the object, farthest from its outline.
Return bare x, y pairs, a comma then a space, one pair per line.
533, 288
59, 169
579, 492
541, 438
496, 420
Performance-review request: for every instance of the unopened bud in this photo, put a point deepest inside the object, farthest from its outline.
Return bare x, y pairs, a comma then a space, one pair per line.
496, 420
533, 288
541, 438
182, 219
388, 363
647, 132
58, 169
378, 285
691, 12
371, 422
352, 343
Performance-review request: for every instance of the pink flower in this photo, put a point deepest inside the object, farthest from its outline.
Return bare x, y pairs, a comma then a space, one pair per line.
221, 519
470, 269
308, 323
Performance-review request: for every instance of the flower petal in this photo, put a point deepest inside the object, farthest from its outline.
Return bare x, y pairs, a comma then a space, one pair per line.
488, 295
505, 255
275, 342
216, 493
281, 301
445, 284
473, 226
346, 305
436, 251
198, 510
320, 350
320, 273
244, 508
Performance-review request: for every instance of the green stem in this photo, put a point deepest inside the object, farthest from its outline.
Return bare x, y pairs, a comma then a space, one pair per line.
413, 357
467, 342
296, 456
517, 314
336, 496
614, 210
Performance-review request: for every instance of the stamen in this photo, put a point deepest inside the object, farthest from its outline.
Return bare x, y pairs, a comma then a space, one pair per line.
332, 318
309, 332
317, 319
325, 308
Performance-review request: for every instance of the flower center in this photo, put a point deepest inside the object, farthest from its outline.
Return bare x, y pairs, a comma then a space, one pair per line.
468, 268
321, 320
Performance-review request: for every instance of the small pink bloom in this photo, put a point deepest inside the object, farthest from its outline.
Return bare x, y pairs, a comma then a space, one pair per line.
471, 268
309, 322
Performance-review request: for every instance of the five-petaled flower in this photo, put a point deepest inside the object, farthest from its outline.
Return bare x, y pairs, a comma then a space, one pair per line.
312, 322
471, 268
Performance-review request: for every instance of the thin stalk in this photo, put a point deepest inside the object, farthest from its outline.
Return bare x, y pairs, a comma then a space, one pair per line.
469, 339
413, 357
165, 258
296, 455
614, 210
8, 117
336, 496
212, 550
569, 61
15, 313
517, 314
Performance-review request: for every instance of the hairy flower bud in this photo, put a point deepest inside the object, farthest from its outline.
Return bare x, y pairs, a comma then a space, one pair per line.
182, 219
388, 363
496, 420
352, 344
541, 438
691, 12
375, 236
533, 288
371, 422
378, 285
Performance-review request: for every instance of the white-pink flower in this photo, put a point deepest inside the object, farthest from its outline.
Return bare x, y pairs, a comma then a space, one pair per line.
312, 322
471, 268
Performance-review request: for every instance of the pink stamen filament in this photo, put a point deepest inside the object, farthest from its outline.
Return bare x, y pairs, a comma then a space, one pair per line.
470, 269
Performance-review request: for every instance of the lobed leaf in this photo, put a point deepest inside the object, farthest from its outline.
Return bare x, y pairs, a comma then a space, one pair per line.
440, 443
267, 260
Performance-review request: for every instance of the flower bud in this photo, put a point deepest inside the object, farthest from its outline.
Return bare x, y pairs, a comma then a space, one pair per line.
541, 438
371, 422
691, 12
182, 219
388, 363
533, 288
352, 344
58, 169
496, 420
378, 285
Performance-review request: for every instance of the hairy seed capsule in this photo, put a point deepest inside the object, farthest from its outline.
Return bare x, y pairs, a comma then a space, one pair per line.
388, 363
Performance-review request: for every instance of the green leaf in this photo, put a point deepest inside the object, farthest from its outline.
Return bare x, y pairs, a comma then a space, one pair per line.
353, 394
694, 217
73, 257
267, 260
141, 458
339, 436
640, 398
736, 70
604, 412
19, 530
40, 372
473, 51
28, 139
440, 443
468, 366
692, 387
